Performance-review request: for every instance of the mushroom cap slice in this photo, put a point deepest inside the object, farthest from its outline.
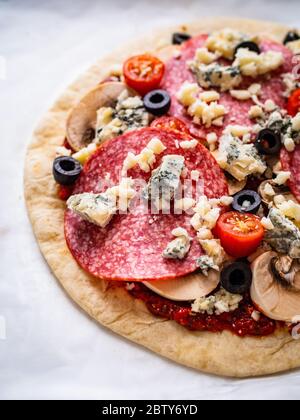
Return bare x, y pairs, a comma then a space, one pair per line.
185, 288
82, 119
272, 297
235, 186
278, 189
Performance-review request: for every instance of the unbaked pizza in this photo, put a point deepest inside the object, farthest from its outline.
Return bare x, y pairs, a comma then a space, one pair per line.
164, 190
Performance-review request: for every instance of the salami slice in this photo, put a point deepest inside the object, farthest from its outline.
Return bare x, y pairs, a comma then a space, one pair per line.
291, 162
131, 246
177, 72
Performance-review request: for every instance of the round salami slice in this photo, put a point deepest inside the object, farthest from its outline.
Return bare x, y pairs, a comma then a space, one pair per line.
291, 162
177, 72
130, 247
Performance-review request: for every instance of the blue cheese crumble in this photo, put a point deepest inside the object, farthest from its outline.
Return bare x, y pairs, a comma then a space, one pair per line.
219, 303
128, 114
165, 180
179, 247
239, 159
285, 235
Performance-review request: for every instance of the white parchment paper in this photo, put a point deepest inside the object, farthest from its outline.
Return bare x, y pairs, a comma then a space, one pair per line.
48, 347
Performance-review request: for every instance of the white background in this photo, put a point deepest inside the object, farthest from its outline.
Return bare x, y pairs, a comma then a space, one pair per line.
52, 350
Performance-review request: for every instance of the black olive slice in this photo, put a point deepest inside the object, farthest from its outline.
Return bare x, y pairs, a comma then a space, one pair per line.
157, 102
250, 45
246, 201
268, 142
236, 278
179, 37
291, 36
66, 170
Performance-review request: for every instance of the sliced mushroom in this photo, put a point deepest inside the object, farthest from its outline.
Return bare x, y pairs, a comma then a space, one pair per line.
275, 287
81, 124
278, 189
235, 186
286, 271
185, 288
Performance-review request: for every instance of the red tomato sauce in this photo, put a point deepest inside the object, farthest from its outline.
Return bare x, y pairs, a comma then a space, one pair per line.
238, 322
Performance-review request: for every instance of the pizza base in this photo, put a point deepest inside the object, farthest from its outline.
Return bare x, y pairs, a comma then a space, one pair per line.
218, 353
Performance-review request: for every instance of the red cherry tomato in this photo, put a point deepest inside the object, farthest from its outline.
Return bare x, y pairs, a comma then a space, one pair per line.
143, 73
293, 105
171, 124
240, 233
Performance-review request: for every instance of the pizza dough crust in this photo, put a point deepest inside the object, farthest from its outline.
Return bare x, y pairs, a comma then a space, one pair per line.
221, 354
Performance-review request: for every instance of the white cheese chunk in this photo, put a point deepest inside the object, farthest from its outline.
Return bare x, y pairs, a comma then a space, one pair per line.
270, 105
240, 160
290, 82
184, 204
146, 158
252, 64
256, 316
237, 130
188, 144
256, 111
130, 161
241, 95
279, 199
290, 209
83, 154
179, 247
188, 93
296, 122
156, 145
267, 224
224, 42
226, 200
289, 144
63, 151
180, 232
282, 177
213, 249
212, 140
204, 233
206, 114
269, 190
294, 46
209, 96
255, 89
204, 56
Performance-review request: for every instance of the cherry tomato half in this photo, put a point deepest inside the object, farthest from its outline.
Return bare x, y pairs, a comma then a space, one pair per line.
171, 124
293, 105
240, 233
143, 73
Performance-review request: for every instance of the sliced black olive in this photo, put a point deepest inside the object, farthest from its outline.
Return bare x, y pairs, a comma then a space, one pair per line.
291, 36
268, 142
157, 102
180, 37
66, 170
250, 45
236, 278
246, 201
